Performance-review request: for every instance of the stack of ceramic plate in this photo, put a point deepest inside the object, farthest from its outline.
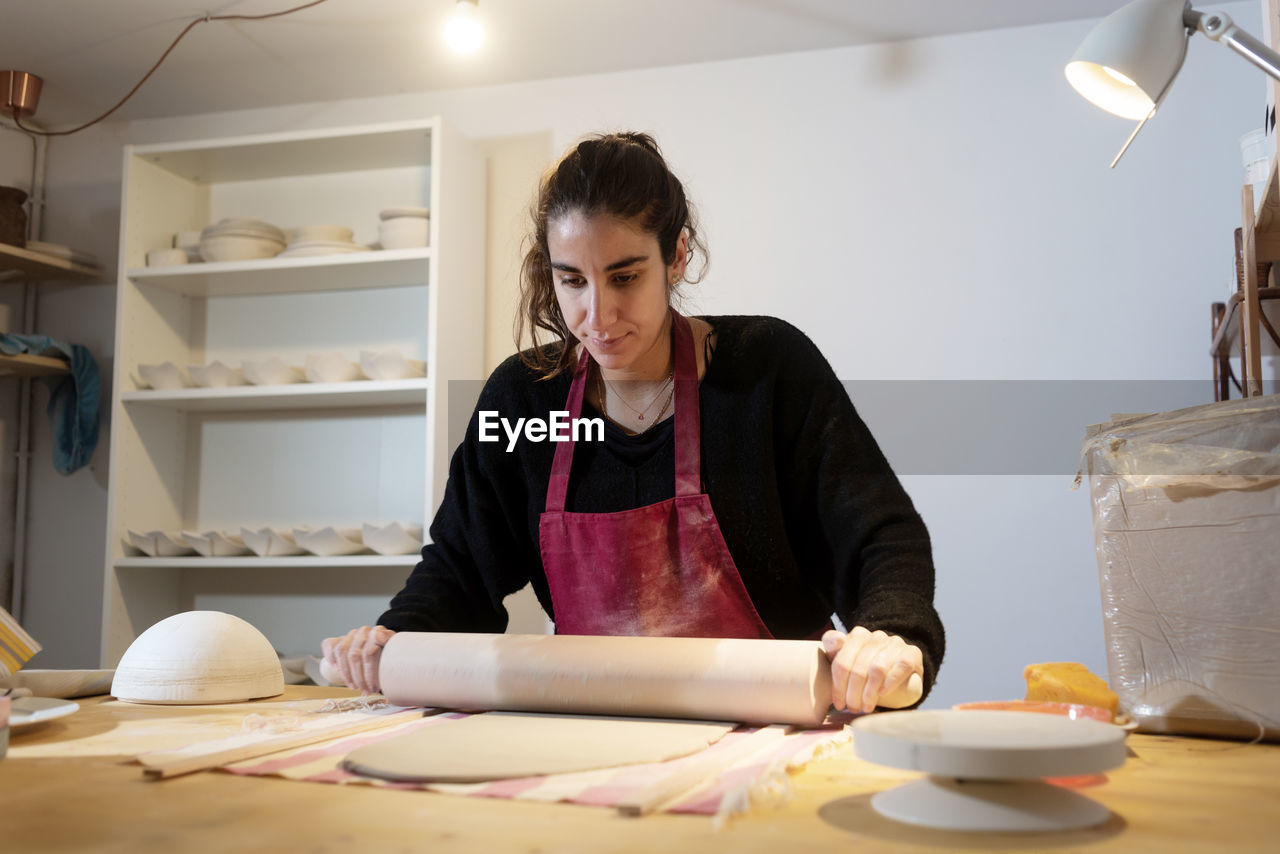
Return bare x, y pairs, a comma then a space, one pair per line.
321, 240
240, 239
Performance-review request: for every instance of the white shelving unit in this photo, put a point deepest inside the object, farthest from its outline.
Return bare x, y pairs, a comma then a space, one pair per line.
304, 453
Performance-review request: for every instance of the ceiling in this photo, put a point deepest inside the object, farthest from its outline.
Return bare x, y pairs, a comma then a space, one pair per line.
91, 52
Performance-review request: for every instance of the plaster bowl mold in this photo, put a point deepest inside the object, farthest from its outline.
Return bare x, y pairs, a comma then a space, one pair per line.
198, 657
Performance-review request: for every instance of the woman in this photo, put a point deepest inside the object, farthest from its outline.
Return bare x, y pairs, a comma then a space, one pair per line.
619, 536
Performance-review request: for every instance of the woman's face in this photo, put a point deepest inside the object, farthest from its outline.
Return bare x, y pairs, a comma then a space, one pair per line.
612, 285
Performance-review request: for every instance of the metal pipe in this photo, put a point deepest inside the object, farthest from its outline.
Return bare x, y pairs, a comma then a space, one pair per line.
1219, 27
35, 218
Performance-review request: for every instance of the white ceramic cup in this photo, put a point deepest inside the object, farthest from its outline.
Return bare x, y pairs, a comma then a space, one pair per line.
166, 257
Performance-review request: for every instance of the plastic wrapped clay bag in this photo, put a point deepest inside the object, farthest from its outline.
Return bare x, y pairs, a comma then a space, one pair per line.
1186, 519
198, 657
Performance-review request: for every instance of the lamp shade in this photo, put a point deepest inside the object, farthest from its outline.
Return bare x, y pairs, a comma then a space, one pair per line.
1129, 59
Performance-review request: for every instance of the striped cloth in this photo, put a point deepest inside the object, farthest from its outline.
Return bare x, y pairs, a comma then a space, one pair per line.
16, 646
744, 780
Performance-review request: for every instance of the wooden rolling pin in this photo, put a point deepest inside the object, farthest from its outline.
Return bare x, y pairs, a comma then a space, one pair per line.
759, 681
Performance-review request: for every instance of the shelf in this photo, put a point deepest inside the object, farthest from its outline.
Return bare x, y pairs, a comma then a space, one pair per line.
297, 562
38, 265
248, 398
25, 365
384, 268
295, 153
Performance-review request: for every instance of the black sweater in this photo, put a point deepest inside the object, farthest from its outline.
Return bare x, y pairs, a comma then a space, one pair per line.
813, 516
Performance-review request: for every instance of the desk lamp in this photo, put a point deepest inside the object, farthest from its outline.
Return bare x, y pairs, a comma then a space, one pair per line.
1127, 63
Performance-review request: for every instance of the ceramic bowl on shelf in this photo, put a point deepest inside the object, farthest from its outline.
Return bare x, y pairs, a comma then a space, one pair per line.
165, 376
271, 371
389, 364
320, 233
216, 543
166, 257
216, 374
244, 225
236, 247
404, 213
393, 539
270, 542
331, 367
405, 232
189, 242
330, 541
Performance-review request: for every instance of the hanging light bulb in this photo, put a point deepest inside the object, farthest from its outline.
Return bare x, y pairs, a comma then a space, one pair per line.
465, 32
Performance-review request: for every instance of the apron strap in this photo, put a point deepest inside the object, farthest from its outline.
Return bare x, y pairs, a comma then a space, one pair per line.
688, 443
558, 485
688, 438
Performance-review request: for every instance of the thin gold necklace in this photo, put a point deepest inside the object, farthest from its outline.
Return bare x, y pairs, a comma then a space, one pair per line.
669, 383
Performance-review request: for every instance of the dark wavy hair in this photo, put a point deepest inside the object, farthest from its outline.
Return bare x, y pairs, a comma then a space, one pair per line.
622, 175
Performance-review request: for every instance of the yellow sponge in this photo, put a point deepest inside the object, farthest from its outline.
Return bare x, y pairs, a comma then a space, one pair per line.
1068, 682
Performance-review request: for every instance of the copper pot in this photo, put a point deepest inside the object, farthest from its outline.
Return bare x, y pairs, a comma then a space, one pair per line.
13, 217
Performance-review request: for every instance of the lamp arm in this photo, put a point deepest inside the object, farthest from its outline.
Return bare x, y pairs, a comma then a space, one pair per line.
1220, 28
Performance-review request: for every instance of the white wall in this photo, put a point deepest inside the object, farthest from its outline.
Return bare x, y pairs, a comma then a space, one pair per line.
937, 210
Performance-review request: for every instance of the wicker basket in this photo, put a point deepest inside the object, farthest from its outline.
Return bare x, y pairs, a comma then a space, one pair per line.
13, 218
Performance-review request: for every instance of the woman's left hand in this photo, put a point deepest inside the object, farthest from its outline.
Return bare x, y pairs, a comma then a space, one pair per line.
867, 665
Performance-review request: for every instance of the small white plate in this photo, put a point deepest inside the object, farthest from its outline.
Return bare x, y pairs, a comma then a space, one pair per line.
321, 247
60, 683
27, 711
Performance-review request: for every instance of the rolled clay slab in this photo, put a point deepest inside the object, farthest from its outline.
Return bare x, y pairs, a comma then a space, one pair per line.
758, 681
500, 745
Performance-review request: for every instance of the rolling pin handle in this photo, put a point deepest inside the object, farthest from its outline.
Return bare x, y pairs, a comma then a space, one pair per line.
331, 674
907, 694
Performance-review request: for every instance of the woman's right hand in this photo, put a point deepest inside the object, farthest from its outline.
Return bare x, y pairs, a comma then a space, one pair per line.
354, 657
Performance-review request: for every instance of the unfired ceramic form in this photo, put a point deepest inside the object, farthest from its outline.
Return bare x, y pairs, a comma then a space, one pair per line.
271, 542
165, 376
271, 371
331, 367
330, 541
216, 374
390, 365
393, 539
216, 543
198, 657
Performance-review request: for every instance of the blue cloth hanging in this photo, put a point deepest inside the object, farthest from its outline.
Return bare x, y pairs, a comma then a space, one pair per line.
73, 398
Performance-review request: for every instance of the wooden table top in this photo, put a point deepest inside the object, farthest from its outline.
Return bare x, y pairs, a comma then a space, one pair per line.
1173, 794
